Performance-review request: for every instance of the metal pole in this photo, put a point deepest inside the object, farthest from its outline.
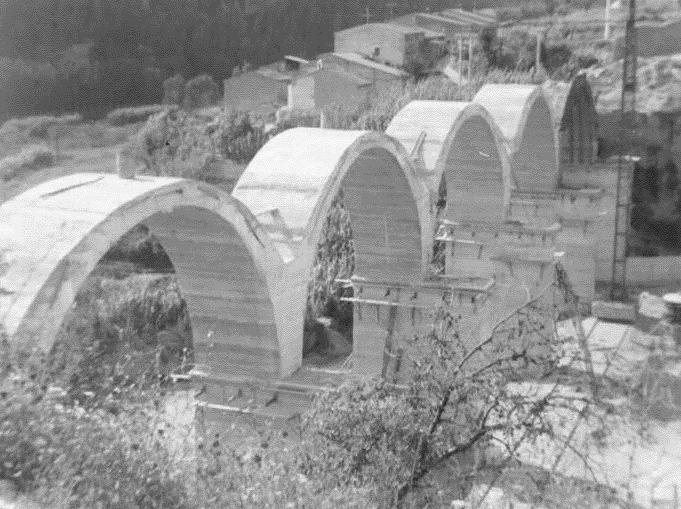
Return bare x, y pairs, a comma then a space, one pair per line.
606, 32
623, 191
460, 63
470, 57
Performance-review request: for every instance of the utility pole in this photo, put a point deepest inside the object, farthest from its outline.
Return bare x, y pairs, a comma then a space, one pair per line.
537, 53
460, 63
606, 30
470, 56
618, 289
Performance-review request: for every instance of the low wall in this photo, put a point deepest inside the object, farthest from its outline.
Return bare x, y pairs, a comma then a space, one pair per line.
653, 269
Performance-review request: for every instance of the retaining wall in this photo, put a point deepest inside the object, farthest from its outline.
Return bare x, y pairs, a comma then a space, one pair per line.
653, 269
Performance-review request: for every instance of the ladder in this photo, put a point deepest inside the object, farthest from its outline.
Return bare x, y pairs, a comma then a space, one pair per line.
618, 290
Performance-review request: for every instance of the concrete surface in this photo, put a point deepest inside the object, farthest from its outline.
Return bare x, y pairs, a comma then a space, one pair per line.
525, 118
464, 146
52, 236
244, 262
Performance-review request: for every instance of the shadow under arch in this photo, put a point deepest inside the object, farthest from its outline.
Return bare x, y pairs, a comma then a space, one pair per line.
298, 174
463, 147
575, 119
53, 235
525, 118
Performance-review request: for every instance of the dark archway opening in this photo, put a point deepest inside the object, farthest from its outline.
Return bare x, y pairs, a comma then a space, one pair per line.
327, 337
128, 325
437, 261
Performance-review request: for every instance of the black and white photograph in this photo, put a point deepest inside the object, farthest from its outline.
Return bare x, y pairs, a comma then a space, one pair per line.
320, 254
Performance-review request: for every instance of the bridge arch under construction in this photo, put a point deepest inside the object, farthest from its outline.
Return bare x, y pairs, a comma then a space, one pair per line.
225, 265
525, 118
387, 202
462, 146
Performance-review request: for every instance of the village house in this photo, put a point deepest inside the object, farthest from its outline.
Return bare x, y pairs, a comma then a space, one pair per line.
450, 24
396, 45
265, 88
323, 87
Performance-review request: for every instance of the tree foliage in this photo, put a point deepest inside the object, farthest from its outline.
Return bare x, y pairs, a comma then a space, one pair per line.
92, 56
459, 397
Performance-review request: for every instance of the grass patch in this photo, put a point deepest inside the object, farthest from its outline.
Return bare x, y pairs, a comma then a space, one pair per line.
135, 114
37, 126
120, 331
31, 158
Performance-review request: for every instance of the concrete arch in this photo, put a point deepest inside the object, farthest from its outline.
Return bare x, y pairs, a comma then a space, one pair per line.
463, 144
52, 236
300, 172
525, 119
575, 119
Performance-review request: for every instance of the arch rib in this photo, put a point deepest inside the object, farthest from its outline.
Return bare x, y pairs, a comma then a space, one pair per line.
463, 145
53, 235
525, 118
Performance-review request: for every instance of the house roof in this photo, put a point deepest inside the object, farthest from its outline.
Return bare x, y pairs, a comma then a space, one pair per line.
294, 58
357, 80
403, 29
358, 59
274, 74
472, 18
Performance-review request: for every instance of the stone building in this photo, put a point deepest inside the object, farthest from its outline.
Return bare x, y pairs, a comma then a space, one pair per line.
455, 23
377, 73
395, 45
323, 87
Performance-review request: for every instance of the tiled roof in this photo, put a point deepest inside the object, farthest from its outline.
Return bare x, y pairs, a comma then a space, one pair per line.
358, 59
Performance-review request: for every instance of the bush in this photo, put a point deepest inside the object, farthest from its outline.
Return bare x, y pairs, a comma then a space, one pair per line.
38, 126
377, 113
177, 144
200, 92
131, 115
125, 453
555, 56
64, 455
173, 89
193, 145
32, 158
334, 259
121, 330
455, 396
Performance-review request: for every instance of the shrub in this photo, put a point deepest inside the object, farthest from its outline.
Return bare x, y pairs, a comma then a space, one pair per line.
555, 56
334, 259
177, 144
377, 113
173, 89
122, 116
65, 455
112, 334
31, 158
200, 92
457, 394
193, 145
38, 126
